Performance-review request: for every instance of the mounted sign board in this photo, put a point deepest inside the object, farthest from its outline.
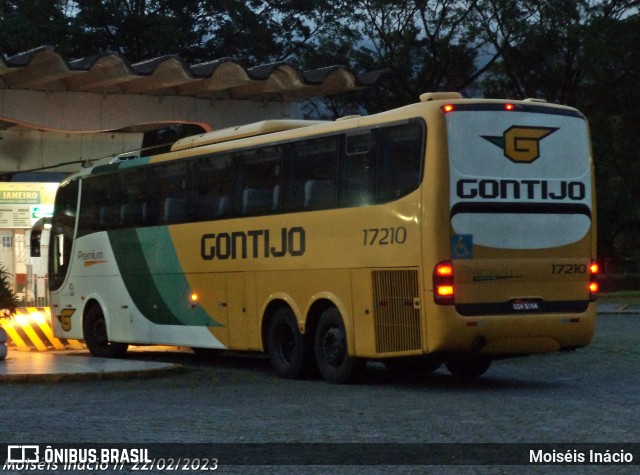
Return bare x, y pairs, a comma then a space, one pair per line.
22, 204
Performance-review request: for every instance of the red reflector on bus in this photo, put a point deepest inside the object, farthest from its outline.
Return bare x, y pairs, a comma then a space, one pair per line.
508, 107
443, 289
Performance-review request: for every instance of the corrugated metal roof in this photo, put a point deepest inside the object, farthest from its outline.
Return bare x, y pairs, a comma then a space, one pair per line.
44, 69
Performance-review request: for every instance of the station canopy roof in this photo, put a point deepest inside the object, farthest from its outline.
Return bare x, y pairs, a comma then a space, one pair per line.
44, 69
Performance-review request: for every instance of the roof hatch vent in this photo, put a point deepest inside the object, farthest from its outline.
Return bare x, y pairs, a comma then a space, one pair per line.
439, 96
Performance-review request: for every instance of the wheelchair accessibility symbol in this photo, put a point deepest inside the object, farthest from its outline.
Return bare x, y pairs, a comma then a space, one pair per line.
462, 246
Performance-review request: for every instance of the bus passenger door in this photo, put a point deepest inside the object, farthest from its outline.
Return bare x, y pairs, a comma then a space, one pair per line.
212, 289
242, 321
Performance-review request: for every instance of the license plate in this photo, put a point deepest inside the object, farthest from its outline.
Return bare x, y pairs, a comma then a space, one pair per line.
525, 306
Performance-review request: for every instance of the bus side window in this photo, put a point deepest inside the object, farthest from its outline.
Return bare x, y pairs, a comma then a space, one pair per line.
130, 197
170, 186
400, 157
174, 210
256, 181
319, 194
210, 192
358, 170
131, 214
311, 175
90, 209
97, 209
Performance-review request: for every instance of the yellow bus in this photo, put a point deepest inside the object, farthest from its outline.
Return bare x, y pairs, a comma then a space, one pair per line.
451, 231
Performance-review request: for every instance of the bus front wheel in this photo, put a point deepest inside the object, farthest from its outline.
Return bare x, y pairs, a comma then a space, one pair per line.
468, 367
331, 351
285, 345
94, 328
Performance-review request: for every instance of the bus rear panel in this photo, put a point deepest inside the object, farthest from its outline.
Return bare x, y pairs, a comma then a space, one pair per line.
521, 230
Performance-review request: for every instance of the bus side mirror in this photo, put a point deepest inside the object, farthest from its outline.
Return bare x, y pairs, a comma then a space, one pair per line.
36, 235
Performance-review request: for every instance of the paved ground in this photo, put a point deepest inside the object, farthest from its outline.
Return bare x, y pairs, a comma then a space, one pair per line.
23, 366
590, 395
54, 366
606, 307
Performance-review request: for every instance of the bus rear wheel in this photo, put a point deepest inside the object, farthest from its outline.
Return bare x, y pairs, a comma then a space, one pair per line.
331, 351
468, 367
285, 345
94, 328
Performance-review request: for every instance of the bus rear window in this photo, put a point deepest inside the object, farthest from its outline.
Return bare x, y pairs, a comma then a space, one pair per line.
519, 180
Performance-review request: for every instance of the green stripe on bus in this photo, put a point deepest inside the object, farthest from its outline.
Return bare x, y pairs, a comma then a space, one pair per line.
153, 277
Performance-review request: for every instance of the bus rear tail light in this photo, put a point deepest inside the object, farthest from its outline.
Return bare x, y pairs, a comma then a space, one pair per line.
443, 289
594, 285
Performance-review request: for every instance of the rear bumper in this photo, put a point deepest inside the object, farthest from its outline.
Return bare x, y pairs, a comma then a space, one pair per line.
510, 334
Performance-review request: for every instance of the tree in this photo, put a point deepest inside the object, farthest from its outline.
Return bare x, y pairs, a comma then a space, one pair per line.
200, 30
424, 45
140, 29
269, 31
21, 25
609, 96
541, 45
8, 302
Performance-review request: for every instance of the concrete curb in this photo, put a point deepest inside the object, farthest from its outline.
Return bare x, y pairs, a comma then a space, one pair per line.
615, 308
35, 367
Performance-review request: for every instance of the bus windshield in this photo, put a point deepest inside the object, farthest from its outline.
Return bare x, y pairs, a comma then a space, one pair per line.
62, 228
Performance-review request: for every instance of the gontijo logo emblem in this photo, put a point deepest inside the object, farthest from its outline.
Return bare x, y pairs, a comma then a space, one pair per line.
521, 143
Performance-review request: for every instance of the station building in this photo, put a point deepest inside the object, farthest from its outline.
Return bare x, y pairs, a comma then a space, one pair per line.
58, 114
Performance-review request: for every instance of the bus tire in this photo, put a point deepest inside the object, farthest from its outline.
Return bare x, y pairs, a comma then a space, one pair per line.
94, 329
468, 367
285, 345
331, 350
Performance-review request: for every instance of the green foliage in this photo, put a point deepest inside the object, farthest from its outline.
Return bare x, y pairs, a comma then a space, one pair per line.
8, 302
582, 53
422, 46
140, 29
201, 30
610, 98
21, 25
